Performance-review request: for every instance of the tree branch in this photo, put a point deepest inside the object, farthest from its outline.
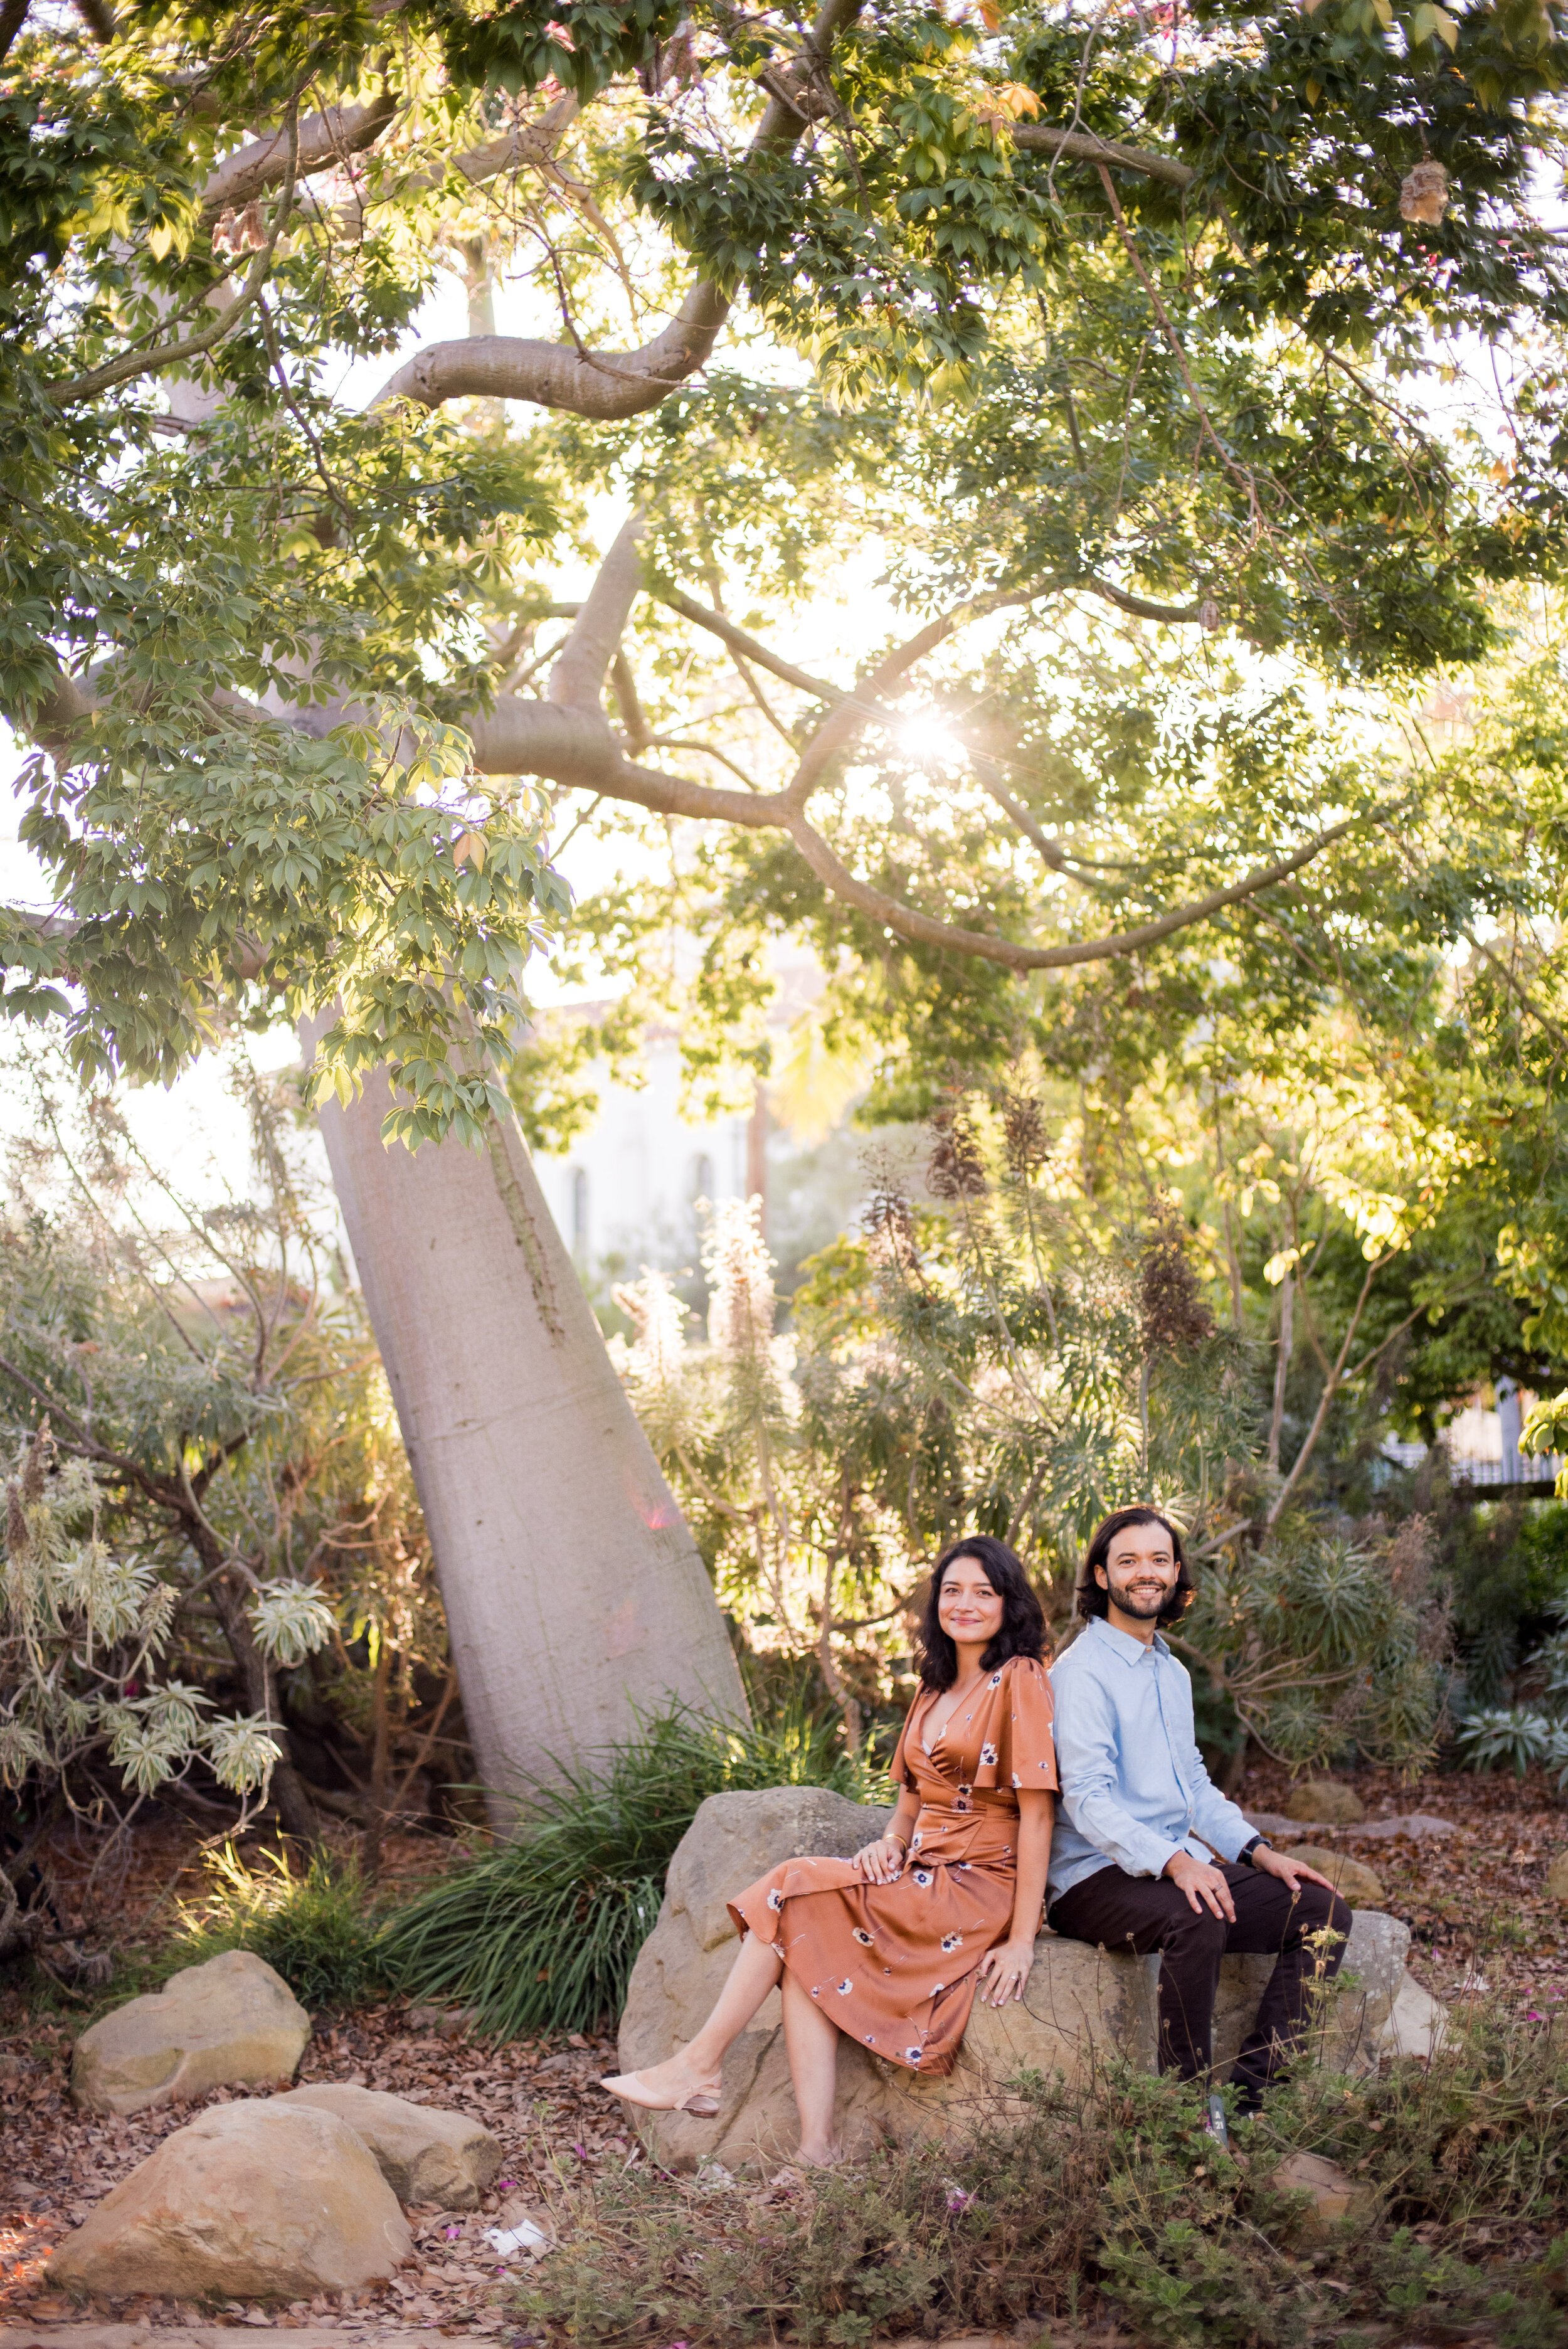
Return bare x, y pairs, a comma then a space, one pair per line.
324, 139
1083, 147
923, 930
577, 679
13, 16
530, 143
608, 384
1143, 607
1331, 1386
749, 648
135, 363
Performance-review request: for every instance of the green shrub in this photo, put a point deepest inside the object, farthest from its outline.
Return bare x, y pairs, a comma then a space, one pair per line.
1112, 2202
541, 1933
316, 1928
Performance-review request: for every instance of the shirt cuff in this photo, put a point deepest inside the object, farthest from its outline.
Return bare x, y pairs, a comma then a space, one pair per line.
1156, 1854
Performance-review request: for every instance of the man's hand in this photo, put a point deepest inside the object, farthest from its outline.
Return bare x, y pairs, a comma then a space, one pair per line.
1294, 1872
881, 1862
1205, 1887
1006, 1970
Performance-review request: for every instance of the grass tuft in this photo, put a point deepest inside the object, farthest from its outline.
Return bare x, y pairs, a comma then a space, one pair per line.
541, 1933
316, 1929
1112, 2202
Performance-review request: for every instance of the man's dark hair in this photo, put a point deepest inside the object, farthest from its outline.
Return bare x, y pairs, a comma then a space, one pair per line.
1092, 1600
1023, 1626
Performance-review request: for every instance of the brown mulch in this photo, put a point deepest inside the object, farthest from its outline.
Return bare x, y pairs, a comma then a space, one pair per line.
1475, 1901
537, 2095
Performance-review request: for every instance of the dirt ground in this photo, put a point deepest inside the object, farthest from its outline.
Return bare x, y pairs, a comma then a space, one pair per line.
1475, 1901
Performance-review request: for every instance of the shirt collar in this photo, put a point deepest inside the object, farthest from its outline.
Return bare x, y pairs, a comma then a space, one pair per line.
1123, 1644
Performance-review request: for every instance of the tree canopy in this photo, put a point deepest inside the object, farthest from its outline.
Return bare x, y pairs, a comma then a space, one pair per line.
1170, 402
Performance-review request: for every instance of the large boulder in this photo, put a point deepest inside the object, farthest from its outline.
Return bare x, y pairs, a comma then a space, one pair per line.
424, 2155
1081, 2004
230, 2024
1351, 1878
1325, 1802
260, 2200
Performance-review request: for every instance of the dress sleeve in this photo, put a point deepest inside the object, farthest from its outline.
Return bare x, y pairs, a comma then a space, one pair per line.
898, 1769
1020, 1753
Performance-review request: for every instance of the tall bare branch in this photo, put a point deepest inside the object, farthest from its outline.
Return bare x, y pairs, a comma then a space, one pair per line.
607, 385
324, 139
924, 929
577, 679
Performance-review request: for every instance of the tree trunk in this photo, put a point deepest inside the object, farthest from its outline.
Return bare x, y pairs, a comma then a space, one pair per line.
575, 1595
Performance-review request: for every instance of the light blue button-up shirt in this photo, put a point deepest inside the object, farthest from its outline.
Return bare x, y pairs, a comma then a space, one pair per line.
1134, 1790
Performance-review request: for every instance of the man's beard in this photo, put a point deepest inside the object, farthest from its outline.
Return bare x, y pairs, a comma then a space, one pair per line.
1141, 1609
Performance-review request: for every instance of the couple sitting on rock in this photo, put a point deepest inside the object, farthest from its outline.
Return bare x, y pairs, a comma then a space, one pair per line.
892, 1945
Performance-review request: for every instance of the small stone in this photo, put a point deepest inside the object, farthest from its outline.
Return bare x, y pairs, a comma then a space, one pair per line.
1355, 1882
450, 2022
1332, 2190
1557, 1877
232, 2023
425, 2154
1326, 1801
256, 2200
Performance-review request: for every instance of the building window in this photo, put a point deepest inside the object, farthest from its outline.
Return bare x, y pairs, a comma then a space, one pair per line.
580, 1211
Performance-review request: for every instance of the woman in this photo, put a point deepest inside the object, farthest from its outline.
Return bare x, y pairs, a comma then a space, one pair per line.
890, 1947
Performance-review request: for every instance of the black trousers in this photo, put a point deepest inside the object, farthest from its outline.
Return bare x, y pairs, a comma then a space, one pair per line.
1149, 1912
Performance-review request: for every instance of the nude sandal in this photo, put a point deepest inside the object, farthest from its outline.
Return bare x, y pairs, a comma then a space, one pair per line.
699, 2103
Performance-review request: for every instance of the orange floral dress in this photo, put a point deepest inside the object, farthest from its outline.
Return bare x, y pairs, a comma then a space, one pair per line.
893, 1964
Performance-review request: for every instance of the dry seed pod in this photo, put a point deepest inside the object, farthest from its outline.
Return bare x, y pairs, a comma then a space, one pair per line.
1424, 193
958, 1168
19, 1540
35, 1466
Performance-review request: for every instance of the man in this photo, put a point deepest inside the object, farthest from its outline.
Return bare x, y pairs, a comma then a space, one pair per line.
1136, 1806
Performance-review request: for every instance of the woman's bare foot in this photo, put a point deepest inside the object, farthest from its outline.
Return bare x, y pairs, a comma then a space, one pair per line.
676, 2085
823, 2156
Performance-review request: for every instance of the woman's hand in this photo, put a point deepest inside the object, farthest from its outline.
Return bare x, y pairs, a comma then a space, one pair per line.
881, 1862
1003, 1971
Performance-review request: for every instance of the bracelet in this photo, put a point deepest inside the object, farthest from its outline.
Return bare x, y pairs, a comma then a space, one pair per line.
889, 1836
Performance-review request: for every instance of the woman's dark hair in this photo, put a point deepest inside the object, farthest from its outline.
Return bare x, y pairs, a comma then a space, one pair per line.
1091, 1599
1022, 1629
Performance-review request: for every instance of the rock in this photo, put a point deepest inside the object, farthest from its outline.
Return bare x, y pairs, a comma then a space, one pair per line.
1557, 1877
1416, 2023
1332, 2190
1325, 1802
1079, 2000
230, 2024
424, 2155
1359, 1884
1417, 1825
451, 2022
265, 2200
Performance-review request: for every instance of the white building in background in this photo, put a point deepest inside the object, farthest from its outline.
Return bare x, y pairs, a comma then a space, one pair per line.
1483, 1442
635, 1187
627, 1191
